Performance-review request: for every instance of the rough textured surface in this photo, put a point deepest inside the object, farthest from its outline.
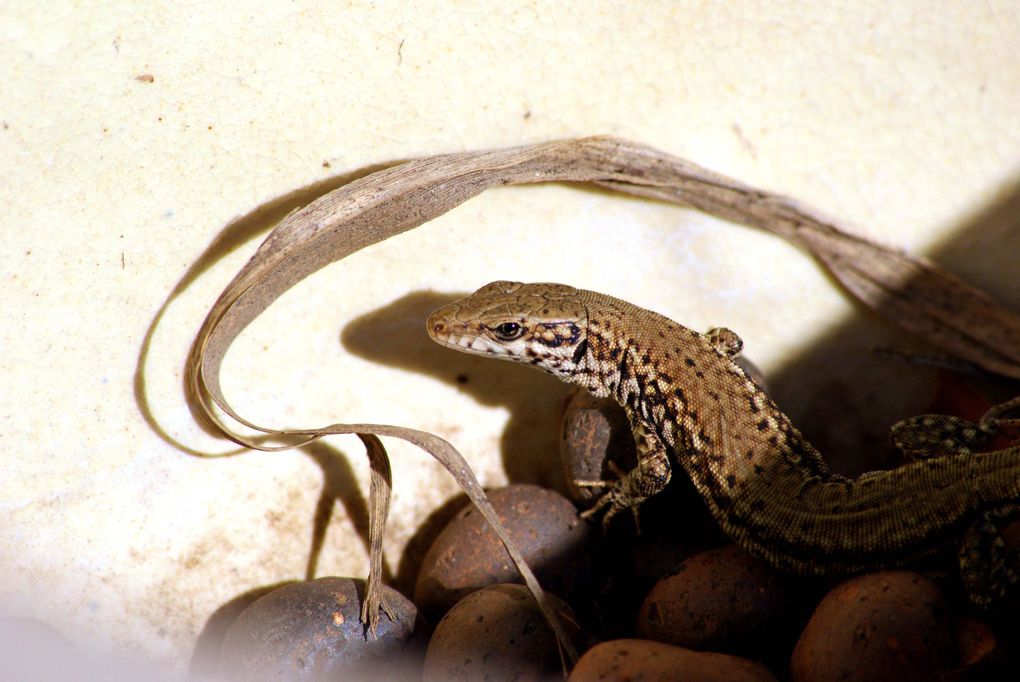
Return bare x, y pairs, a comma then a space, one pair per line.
722, 600
313, 631
496, 633
137, 133
891, 625
640, 660
467, 555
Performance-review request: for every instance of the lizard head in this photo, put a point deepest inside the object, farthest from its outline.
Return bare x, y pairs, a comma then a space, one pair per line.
544, 325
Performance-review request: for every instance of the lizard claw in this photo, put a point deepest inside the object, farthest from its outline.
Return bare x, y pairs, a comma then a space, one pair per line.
613, 501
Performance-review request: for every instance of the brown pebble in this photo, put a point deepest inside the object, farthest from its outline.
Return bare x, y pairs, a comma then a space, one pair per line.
593, 433
468, 555
640, 660
976, 643
890, 625
721, 600
313, 631
497, 633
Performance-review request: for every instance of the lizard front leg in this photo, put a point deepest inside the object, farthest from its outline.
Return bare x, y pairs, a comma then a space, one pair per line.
650, 476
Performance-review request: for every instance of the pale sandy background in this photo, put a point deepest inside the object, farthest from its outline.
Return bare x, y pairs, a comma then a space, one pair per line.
132, 136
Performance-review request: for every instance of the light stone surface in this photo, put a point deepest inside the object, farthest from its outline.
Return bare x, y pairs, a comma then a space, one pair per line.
133, 134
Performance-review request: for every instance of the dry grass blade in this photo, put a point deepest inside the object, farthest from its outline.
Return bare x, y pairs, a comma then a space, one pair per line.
379, 487
943, 309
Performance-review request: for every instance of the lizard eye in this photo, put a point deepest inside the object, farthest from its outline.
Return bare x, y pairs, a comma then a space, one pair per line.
508, 331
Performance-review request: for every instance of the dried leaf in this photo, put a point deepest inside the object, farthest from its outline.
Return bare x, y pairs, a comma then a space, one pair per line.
909, 291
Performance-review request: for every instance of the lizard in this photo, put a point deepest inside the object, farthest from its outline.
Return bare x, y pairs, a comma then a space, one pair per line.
770, 490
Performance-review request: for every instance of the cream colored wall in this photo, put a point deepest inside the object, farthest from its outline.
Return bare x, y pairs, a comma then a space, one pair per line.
133, 134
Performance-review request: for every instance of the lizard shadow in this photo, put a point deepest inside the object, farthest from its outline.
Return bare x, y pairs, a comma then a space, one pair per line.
394, 335
234, 235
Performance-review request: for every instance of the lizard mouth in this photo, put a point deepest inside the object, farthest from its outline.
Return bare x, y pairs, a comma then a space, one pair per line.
455, 335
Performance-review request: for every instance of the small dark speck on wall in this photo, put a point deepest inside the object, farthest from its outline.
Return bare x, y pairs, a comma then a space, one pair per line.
462, 379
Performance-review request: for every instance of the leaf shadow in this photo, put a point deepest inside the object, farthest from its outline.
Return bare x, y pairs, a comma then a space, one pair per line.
838, 389
339, 484
236, 233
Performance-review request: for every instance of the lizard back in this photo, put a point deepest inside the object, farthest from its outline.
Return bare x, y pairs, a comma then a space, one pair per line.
766, 485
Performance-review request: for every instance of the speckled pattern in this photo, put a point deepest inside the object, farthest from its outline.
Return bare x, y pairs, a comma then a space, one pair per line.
688, 402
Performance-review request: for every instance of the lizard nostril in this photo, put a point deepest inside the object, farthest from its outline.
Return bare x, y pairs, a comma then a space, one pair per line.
439, 327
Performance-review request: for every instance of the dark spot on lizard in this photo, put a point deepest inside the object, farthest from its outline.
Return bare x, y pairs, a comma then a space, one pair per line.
580, 351
699, 374
754, 405
689, 362
624, 368
763, 424
731, 480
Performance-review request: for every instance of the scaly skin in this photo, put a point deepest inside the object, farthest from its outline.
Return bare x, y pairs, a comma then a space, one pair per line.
767, 487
